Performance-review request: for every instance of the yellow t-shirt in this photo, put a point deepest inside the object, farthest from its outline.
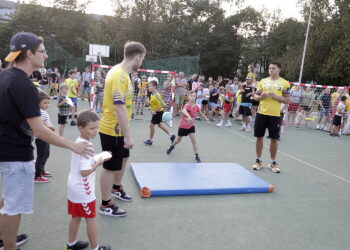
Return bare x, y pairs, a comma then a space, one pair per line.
239, 96
71, 83
269, 106
118, 90
347, 105
156, 101
252, 75
142, 88
334, 96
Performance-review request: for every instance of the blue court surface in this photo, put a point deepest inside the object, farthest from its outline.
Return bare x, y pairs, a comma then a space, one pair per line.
170, 179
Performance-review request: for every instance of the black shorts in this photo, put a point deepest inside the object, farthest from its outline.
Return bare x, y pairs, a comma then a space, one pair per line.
157, 118
263, 122
185, 131
205, 102
306, 108
62, 119
255, 103
337, 120
116, 146
245, 111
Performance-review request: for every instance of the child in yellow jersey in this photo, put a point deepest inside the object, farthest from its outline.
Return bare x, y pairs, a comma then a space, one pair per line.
72, 84
157, 106
142, 95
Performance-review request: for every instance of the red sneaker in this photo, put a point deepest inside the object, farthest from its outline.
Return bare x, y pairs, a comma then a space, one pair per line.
46, 174
41, 180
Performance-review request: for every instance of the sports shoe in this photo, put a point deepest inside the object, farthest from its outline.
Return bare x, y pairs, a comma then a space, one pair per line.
77, 246
112, 210
148, 142
41, 179
219, 124
21, 239
247, 129
257, 165
172, 138
274, 167
228, 124
72, 123
318, 126
46, 174
170, 149
104, 248
121, 195
197, 159
242, 128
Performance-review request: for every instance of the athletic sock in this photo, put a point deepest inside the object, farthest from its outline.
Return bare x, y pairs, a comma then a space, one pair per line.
116, 187
95, 248
70, 244
258, 160
105, 203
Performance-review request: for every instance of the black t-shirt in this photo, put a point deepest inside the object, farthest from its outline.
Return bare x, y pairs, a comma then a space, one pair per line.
214, 98
36, 74
247, 90
18, 101
53, 76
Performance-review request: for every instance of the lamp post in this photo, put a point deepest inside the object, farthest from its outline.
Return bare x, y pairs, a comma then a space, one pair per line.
305, 44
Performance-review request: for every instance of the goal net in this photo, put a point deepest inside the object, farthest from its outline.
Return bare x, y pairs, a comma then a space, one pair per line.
313, 106
139, 80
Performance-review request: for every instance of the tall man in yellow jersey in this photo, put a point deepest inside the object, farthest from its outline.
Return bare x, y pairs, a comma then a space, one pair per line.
157, 106
271, 92
72, 84
114, 127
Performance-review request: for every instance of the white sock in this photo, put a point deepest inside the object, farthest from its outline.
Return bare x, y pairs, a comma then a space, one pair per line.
71, 243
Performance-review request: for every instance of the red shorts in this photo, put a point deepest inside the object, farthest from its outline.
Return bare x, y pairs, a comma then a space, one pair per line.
293, 107
82, 210
227, 108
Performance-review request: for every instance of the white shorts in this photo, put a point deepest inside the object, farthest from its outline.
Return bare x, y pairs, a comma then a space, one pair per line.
18, 187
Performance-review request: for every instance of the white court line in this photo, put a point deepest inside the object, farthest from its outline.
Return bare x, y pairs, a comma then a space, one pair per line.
294, 158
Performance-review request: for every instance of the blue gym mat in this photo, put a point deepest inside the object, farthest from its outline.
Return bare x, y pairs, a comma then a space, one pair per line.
170, 179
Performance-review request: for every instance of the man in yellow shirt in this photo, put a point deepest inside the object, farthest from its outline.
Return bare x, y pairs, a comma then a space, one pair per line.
157, 106
114, 127
271, 92
72, 84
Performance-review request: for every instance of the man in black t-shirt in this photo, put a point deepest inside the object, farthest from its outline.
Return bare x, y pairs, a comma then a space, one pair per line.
245, 107
19, 121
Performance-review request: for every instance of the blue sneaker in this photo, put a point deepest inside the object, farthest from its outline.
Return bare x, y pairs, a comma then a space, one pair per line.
148, 142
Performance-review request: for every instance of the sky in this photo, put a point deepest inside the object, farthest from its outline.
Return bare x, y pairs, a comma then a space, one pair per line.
288, 8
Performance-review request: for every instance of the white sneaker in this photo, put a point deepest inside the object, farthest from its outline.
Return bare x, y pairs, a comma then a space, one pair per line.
228, 124
242, 128
219, 124
318, 126
247, 129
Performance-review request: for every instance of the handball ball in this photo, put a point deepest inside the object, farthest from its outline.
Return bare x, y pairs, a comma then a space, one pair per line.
167, 116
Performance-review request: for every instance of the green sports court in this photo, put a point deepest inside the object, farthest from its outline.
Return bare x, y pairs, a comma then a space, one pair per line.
309, 208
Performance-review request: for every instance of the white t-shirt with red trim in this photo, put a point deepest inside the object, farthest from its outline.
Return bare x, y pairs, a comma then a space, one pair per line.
81, 189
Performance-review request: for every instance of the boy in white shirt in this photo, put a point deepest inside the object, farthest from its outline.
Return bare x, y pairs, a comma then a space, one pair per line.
81, 187
338, 117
